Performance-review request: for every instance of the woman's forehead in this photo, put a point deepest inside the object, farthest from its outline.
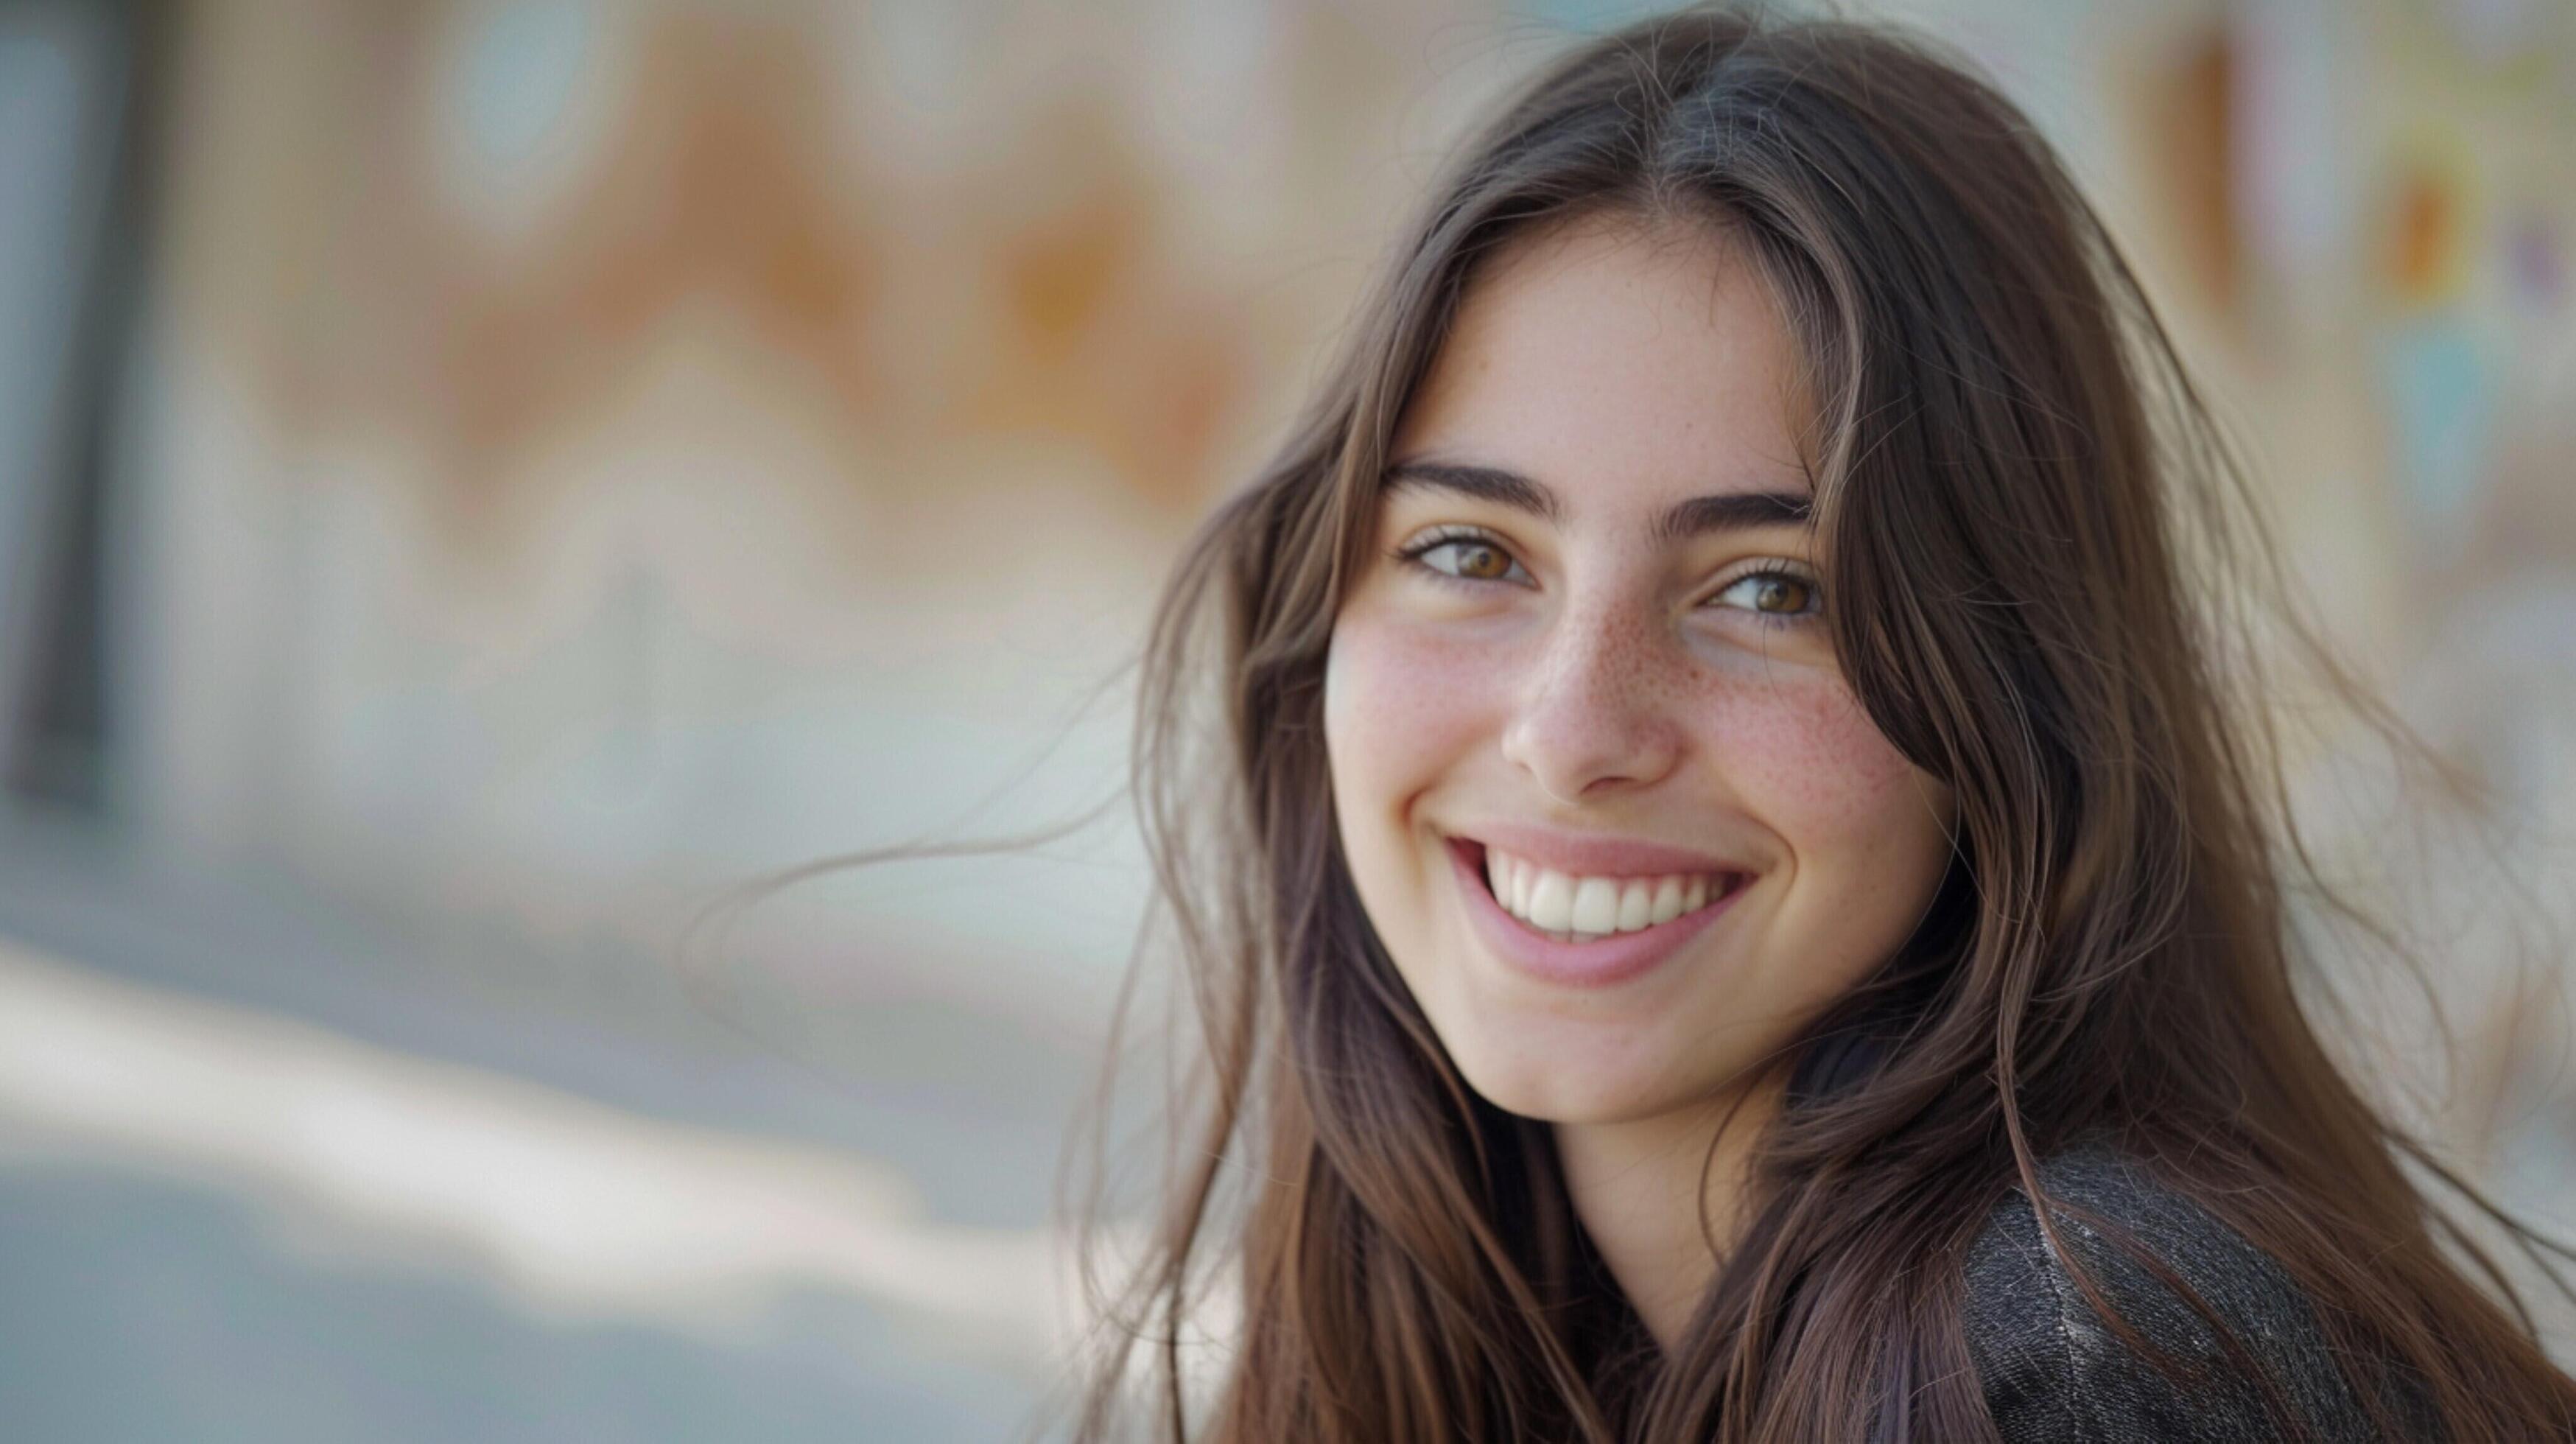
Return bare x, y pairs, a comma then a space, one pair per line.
1617, 366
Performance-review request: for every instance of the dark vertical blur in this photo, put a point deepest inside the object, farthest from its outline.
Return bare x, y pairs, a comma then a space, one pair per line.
86, 241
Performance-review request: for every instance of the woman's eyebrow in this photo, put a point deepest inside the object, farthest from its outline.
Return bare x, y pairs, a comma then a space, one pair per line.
1726, 511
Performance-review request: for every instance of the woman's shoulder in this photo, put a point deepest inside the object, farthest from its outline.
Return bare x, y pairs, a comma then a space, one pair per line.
2052, 1367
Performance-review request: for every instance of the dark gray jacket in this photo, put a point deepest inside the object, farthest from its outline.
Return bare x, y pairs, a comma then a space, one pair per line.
2053, 1371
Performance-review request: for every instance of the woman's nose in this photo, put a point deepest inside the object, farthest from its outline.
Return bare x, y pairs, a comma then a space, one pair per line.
1595, 716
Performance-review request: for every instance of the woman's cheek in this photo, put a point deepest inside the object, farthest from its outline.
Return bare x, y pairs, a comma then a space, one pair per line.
1807, 759
1401, 701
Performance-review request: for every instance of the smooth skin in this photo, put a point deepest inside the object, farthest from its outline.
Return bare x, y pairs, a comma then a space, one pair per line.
1588, 674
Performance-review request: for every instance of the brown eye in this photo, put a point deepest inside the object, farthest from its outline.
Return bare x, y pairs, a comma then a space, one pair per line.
1778, 595
1464, 558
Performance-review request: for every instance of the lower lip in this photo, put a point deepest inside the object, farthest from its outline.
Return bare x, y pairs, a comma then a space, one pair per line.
1597, 964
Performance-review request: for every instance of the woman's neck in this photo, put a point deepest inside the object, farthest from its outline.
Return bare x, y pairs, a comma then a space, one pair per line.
1642, 1189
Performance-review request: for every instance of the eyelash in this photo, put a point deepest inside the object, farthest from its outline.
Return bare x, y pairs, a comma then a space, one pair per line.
1412, 554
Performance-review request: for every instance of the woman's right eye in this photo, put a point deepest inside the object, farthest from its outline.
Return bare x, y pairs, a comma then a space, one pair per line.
1468, 558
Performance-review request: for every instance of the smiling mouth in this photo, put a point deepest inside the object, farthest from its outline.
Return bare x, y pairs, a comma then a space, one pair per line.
1583, 908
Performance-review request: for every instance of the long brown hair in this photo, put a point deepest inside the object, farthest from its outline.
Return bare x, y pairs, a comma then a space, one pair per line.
2013, 476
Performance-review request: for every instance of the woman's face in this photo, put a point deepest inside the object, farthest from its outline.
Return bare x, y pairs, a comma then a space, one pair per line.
1587, 668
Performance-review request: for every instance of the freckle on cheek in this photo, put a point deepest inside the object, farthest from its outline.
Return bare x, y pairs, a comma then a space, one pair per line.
1812, 749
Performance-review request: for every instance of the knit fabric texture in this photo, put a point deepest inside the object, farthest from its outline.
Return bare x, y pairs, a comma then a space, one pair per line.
2054, 1371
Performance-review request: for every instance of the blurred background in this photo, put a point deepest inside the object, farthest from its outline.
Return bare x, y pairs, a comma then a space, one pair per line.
480, 477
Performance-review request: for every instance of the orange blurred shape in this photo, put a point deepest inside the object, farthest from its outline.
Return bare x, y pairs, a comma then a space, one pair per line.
2423, 243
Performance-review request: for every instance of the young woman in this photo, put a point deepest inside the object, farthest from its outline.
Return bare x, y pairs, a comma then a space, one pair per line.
1742, 896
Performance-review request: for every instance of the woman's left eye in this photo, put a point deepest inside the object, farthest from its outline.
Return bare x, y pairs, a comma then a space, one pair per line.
1775, 595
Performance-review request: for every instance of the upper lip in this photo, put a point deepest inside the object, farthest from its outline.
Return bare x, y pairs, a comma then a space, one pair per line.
1595, 854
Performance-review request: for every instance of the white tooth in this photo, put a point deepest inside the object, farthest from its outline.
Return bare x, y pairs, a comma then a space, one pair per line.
1523, 875
1636, 906
1498, 877
1596, 905
1695, 894
1668, 899
1551, 901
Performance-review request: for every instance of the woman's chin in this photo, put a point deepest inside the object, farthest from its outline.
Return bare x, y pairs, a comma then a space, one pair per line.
1554, 1090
